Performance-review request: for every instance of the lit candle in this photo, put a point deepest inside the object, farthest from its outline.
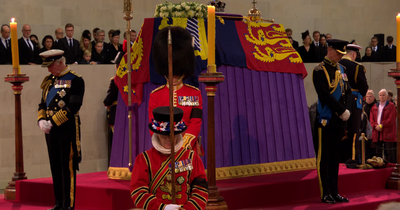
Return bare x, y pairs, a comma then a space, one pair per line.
14, 47
211, 38
398, 38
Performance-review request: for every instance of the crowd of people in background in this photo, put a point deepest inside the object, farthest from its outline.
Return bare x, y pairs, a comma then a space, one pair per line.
92, 48
314, 48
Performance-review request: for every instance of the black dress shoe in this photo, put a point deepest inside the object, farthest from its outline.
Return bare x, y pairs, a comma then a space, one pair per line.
339, 198
56, 207
328, 199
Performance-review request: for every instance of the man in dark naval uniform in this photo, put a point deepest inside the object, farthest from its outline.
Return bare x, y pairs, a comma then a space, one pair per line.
111, 103
58, 117
351, 147
334, 103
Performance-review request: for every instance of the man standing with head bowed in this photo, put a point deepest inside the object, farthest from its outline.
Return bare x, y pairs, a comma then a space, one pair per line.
334, 103
351, 147
58, 118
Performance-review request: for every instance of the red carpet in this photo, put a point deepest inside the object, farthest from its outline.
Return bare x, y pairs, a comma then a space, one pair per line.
293, 190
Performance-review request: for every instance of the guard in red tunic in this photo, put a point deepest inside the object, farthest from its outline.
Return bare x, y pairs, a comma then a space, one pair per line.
186, 97
151, 176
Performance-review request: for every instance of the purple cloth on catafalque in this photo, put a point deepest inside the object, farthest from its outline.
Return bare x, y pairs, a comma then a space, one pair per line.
260, 117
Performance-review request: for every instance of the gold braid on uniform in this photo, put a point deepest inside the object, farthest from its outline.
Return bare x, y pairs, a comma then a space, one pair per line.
187, 138
338, 78
60, 117
41, 114
45, 86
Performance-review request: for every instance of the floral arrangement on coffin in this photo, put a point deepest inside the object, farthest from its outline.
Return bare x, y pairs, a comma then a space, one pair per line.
181, 10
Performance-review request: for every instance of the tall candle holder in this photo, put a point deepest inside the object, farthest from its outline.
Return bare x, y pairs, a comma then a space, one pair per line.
211, 79
16, 79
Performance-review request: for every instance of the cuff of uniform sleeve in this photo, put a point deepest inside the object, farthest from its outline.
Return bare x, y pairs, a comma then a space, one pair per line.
41, 114
380, 125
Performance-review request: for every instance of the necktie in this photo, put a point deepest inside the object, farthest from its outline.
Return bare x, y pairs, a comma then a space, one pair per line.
7, 44
70, 44
29, 44
317, 44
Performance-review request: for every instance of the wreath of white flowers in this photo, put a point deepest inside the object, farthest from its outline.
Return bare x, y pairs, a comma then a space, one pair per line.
181, 10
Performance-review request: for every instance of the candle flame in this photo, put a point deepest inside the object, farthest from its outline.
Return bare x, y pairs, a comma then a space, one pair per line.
398, 14
12, 20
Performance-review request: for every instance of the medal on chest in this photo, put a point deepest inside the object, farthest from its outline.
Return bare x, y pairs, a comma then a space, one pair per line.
62, 84
62, 93
188, 100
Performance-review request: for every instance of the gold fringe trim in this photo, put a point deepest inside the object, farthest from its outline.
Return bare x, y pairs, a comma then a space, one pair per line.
238, 171
265, 168
119, 173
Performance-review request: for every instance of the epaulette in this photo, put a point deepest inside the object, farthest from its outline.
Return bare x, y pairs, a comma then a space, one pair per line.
319, 66
44, 82
192, 87
74, 73
159, 88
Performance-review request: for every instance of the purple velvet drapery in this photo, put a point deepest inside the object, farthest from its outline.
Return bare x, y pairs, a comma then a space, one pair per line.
260, 117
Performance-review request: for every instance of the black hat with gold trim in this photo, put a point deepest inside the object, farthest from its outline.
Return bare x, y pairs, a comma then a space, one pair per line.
338, 45
50, 56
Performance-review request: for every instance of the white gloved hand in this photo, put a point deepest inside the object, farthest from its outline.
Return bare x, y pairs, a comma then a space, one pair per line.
48, 126
45, 126
172, 207
345, 116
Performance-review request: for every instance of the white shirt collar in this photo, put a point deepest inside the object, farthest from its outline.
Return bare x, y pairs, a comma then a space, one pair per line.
4, 40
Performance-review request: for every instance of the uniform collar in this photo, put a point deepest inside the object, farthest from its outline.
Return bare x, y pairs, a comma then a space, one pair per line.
64, 72
176, 88
346, 57
330, 62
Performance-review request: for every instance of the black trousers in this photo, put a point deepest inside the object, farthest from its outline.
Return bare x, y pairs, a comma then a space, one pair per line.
328, 156
353, 134
63, 166
390, 150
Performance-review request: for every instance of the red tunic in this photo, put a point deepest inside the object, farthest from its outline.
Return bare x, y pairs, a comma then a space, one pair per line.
151, 185
189, 99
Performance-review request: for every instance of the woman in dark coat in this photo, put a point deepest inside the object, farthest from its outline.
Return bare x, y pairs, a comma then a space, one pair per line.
115, 46
368, 55
307, 52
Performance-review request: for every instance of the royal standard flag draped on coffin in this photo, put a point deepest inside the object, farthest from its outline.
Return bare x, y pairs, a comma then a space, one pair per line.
256, 46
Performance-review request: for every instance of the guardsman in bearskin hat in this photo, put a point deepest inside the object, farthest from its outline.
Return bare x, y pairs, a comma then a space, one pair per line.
334, 102
151, 176
351, 147
58, 118
186, 97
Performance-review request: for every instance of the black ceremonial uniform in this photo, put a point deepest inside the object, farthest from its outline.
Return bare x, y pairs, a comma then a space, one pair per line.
327, 78
111, 102
351, 147
61, 100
